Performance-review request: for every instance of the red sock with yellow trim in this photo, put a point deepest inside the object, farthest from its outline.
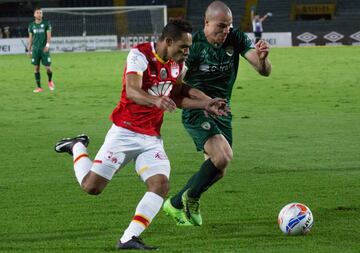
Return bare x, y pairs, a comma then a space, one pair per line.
146, 210
82, 162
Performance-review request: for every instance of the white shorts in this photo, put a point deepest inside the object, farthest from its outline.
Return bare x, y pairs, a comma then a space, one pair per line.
122, 145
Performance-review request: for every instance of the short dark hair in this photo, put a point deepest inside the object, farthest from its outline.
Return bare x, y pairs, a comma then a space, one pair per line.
175, 28
37, 8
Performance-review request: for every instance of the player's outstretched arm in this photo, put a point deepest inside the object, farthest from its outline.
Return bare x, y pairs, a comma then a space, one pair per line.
192, 98
258, 58
269, 14
252, 13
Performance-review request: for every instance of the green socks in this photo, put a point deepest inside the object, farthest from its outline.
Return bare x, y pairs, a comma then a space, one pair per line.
37, 79
204, 179
198, 183
49, 73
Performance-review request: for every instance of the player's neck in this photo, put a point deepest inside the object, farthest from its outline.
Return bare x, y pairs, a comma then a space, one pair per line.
160, 50
208, 38
38, 21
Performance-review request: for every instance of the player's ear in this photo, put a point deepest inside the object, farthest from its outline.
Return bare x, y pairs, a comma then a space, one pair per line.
206, 21
168, 41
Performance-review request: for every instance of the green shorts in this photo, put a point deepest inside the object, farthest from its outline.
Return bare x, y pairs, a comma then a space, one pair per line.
201, 128
38, 55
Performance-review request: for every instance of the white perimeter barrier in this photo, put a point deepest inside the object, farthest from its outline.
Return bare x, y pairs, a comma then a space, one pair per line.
282, 39
105, 43
63, 44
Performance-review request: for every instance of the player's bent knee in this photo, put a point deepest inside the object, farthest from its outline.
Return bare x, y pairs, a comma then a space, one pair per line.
92, 190
221, 173
158, 184
93, 183
222, 161
161, 189
228, 156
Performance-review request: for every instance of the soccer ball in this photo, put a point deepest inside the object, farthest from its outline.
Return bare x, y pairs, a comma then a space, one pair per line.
295, 219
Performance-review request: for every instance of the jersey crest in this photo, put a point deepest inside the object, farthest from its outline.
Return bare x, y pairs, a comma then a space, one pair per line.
163, 73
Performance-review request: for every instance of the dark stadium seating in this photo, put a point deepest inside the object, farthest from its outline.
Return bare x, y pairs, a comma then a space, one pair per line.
17, 14
196, 11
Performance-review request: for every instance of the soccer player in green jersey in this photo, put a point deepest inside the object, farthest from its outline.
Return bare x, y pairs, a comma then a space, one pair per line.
212, 68
38, 47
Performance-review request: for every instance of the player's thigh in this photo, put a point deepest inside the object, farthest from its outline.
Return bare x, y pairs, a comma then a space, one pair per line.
217, 146
35, 57
46, 59
153, 160
120, 147
200, 127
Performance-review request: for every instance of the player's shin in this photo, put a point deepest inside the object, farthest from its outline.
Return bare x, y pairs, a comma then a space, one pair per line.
206, 176
49, 73
176, 199
146, 210
37, 79
82, 162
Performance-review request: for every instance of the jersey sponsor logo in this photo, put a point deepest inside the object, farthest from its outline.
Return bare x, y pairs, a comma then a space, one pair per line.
159, 155
109, 155
215, 68
40, 30
161, 89
133, 59
206, 125
175, 69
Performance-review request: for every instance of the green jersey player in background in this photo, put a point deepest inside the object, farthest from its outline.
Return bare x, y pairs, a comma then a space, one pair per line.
212, 68
38, 47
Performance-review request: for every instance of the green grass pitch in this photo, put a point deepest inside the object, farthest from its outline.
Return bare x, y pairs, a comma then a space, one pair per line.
296, 138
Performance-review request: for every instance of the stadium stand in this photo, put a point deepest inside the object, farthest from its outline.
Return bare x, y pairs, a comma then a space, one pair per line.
196, 11
345, 18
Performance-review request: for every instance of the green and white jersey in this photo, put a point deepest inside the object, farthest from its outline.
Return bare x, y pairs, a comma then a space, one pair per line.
213, 69
39, 32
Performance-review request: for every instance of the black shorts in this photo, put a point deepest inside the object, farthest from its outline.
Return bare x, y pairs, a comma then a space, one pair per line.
202, 127
38, 55
257, 35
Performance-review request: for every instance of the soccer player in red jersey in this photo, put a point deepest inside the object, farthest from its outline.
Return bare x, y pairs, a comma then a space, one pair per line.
152, 84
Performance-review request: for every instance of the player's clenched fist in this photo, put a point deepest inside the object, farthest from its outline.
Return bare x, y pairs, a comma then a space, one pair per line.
217, 107
262, 49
